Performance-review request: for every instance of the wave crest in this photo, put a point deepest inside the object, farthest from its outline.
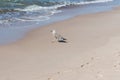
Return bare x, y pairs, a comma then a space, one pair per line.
36, 12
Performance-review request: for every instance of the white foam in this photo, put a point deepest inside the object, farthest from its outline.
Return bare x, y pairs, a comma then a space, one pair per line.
39, 18
37, 8
96, 1
30, 8
49, 11
34, 7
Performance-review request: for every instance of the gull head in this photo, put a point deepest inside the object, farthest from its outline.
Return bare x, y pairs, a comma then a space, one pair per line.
53, 31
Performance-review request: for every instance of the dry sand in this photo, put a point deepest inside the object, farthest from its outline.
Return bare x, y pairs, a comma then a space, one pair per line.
92, 51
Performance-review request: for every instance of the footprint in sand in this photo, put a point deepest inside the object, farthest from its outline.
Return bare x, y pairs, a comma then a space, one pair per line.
58, 72
117, 66
117, 61
99, 75
87, 63
50, 79
117, 54
71, 70
92, 58
84, 64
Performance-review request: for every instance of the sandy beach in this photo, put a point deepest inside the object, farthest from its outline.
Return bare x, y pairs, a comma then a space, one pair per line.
92, 51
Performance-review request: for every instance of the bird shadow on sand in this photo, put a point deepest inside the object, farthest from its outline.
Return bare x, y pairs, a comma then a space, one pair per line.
62, 41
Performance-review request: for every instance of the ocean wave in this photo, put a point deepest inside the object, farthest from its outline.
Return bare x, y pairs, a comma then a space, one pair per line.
89, 2
35, 7
40, 18
36, 12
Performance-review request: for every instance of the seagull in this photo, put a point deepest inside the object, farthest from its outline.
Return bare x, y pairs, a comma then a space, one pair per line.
58, 36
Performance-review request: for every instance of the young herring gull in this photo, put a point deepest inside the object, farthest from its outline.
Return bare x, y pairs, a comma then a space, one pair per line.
58, 37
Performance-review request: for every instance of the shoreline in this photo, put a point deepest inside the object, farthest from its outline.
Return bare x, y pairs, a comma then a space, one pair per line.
92, 51
12, 32
29, 32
